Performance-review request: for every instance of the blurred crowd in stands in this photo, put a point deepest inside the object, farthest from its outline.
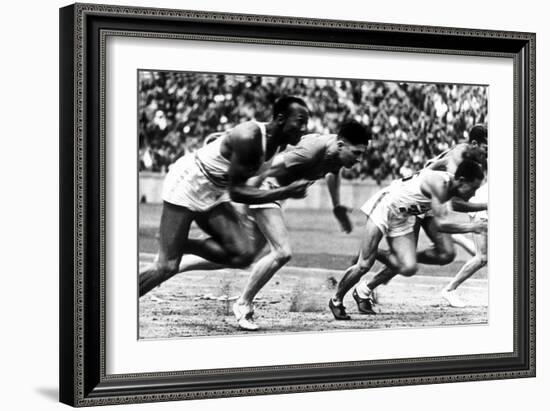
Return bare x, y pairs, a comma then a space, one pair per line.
410, 122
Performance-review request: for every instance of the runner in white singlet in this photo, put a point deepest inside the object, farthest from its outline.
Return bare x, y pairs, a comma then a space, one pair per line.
442, 251
391, 213
200, 181
198, 188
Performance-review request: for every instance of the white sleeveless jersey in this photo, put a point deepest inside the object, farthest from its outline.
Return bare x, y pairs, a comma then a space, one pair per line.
216, 167
405, 196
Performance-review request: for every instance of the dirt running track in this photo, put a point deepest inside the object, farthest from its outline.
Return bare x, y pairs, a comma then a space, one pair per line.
199, 303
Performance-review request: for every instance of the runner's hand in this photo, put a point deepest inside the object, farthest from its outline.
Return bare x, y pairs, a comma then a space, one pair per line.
481, 227
298, 189
342, 215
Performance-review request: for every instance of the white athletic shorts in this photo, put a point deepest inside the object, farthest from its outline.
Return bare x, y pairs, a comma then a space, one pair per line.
269, 183
185, 185
430, 213
390, 222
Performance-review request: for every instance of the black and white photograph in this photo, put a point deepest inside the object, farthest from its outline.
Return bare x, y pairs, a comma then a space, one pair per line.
279, 204
258, 204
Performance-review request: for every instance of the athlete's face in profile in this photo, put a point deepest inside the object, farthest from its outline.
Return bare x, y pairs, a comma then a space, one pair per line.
466, 189
350, 154
294, 124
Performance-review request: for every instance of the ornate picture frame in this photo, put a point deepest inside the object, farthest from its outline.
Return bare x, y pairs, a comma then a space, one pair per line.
84, 30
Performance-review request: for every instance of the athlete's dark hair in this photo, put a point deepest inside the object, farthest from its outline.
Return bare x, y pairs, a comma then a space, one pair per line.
478, 133
282, 105
355, 132
476, 155
469, 170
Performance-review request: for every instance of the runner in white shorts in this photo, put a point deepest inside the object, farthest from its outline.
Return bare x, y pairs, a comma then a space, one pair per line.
391, 213
199, 186
442, 251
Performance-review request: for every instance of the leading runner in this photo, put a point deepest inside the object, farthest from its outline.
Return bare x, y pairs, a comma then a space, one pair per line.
199, 188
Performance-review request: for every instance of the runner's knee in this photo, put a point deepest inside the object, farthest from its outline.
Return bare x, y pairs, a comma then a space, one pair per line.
169, 267
242, 260
481, 260
408, 269
446, 256
283, 255
240, 254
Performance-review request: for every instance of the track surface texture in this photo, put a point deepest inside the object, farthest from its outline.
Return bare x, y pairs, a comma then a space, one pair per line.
198, 303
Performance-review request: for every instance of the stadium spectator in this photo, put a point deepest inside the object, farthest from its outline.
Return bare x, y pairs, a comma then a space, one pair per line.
411, 122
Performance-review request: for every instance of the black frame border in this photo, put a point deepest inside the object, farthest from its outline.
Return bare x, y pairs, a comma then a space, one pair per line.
83, 31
